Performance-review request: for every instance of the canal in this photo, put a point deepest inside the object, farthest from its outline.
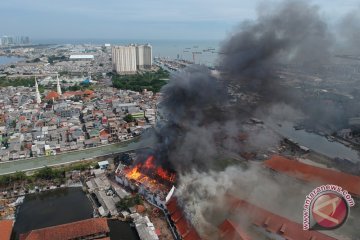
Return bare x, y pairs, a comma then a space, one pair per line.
9, 59
68, 157
317, 143
52, 208
61, 206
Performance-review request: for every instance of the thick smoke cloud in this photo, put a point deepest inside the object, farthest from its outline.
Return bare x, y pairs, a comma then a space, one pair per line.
292, 32
200, 127
204, 195
349, 33
197, 122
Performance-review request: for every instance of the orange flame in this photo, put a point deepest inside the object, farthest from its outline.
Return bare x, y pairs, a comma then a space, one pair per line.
165, 175
137, 172
134, 173
149, 163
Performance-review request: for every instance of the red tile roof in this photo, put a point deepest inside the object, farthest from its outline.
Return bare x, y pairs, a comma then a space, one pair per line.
192, 235
88, 92
307, 172
176, 216
52, 95
73, 93
6, 227
104, 133
172, 206
274, 223
140, 208
183, 226
230, 230
69, 231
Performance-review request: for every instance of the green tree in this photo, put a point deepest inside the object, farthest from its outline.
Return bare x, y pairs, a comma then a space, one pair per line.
48, 173
129, 118
129, 201
19, 176
152, 81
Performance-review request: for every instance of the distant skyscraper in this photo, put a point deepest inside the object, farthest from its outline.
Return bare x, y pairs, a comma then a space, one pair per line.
17, 40
124, 59
37, 94
25, 40
58, 88
6, 40
143, 56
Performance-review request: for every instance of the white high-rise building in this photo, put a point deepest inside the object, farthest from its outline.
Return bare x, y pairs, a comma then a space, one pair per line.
143, 56
128, 59
124, 59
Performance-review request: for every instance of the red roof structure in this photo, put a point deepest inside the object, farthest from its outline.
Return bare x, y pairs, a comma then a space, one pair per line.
6, 227
72, 94
274, 223
307, 172
52, 95
192, 235
230, 230
88, 92
172, 206
95, 227
183, 226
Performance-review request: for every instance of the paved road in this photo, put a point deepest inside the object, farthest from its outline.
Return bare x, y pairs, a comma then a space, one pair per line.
35, 163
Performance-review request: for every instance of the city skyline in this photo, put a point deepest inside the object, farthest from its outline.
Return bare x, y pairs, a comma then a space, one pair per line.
185, 20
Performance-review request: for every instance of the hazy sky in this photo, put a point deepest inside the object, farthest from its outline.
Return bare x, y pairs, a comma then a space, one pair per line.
136, 19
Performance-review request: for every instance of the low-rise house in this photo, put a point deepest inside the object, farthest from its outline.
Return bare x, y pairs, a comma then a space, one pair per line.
47, 150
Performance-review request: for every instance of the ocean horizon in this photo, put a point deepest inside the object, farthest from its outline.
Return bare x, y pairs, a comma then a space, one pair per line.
172, 49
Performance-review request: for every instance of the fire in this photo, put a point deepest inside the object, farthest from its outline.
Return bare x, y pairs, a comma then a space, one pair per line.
148, 170
134, 173
149, 163
165, 175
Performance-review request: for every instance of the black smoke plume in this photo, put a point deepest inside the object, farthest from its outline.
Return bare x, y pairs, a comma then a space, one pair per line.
201, 129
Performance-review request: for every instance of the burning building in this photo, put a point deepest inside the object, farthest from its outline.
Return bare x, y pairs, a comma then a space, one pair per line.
185, 230
154, 182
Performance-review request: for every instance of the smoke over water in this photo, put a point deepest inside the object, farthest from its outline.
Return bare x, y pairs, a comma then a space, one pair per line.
202, 129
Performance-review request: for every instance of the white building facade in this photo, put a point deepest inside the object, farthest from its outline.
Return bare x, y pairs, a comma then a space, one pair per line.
124, 59
143, 56
129, 59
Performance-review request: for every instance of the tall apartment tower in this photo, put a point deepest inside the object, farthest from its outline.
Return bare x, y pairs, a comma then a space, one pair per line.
124, 59
143, 56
